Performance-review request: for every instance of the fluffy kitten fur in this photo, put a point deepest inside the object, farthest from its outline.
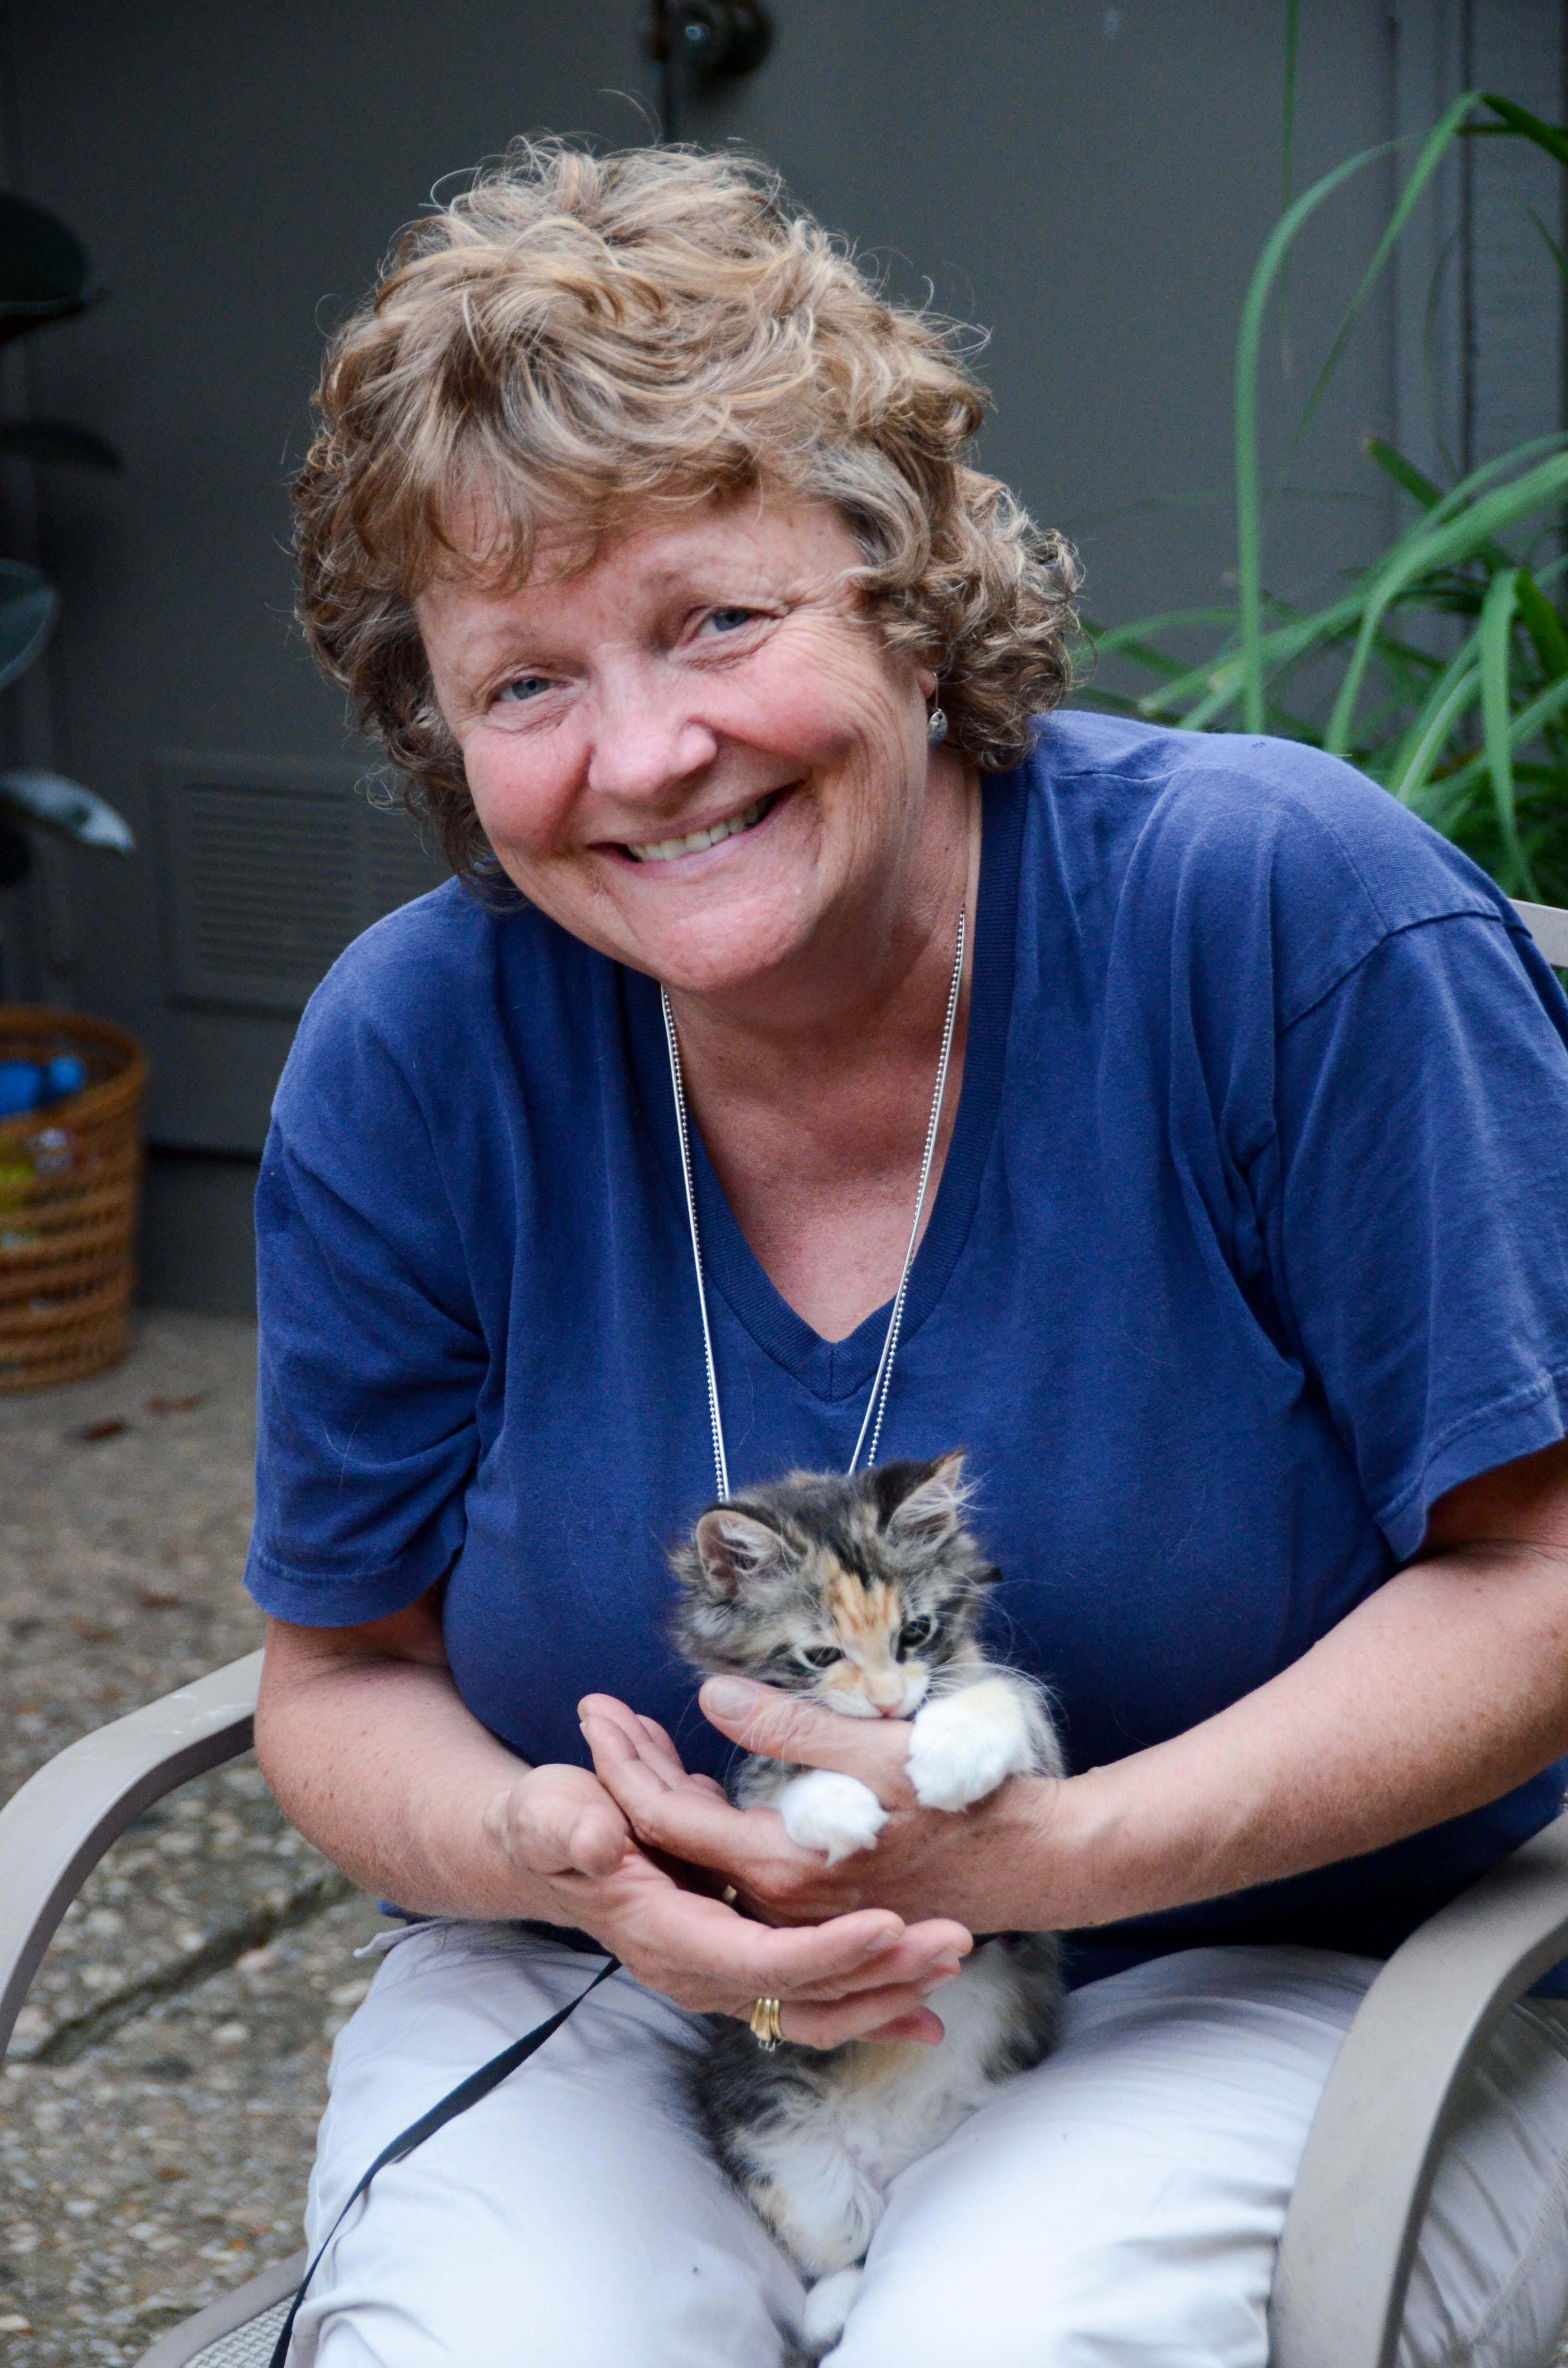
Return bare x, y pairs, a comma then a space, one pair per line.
865, 1595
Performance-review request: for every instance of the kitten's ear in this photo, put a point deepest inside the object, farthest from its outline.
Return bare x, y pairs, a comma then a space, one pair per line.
734, 1548
935, 1505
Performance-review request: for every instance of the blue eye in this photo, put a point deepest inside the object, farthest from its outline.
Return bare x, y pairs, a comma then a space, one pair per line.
730, 620
527, 686
915, 1634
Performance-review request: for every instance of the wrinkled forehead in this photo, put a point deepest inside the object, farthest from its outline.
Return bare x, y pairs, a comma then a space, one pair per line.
499, 534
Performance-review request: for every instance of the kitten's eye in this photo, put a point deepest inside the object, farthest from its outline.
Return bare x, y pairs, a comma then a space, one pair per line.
915, 1634
818, 1656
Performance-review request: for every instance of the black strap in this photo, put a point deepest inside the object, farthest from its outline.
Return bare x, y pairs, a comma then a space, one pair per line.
458, 2101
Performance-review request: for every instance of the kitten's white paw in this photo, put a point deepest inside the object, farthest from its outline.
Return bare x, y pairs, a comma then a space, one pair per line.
828, 2305
961, 1747
836, 1813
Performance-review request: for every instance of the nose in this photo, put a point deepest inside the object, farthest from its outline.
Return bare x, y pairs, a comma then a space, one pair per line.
645, 740
886, 1691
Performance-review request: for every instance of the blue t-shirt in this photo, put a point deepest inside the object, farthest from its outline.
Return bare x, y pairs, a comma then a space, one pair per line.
1252, 1241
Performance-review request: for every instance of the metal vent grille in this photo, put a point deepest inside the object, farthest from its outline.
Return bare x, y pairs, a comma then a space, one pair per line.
270, 869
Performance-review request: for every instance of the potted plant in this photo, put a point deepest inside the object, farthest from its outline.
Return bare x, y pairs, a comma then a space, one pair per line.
1441, 669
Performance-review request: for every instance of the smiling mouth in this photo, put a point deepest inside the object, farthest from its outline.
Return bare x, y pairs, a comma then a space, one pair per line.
664, 851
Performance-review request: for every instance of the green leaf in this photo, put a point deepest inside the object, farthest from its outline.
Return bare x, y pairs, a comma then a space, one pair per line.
1135, 642
1249, 548
1432, 150
1404, 472
1518, 121
1424, 737
1434, 728
1283, 645
1550, 243
1434, 543
67, 808
57, 441
29, 603
1529, 720
1496, 641
42, 264
1544, 626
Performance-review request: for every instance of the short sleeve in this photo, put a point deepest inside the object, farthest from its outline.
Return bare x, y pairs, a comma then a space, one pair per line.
1419, 1223
371, 1355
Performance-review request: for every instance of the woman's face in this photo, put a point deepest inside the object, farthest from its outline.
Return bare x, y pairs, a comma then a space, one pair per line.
691, 753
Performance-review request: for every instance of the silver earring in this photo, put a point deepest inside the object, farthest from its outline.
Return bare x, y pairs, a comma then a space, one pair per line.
935, 728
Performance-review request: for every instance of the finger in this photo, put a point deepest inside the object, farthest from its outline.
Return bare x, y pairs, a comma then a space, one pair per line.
921, 2026
781, 1726
822, 1963
902, 2013
696, 1931
659, 1737
598, 1842
606, 1708
654, 1747
921, 1964
566, 1835
615, 1749
685, 1820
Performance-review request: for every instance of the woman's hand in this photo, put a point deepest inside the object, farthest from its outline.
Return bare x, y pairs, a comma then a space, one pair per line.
984, 1868
861, 1975
371, 1753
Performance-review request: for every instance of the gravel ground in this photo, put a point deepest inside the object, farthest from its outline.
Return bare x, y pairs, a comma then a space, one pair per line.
156, 2167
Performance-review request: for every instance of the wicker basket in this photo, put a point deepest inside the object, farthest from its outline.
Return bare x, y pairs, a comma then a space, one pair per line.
70, 1179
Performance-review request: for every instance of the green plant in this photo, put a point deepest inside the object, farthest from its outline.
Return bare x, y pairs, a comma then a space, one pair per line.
1441, 669
44, 278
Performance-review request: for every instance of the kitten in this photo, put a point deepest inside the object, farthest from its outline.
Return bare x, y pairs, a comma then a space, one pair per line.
865, 1595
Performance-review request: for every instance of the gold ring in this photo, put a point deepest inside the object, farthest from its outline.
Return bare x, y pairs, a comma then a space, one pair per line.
765, 2024
729, 1895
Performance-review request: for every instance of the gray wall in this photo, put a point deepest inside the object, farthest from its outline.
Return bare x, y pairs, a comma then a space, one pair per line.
1092, 183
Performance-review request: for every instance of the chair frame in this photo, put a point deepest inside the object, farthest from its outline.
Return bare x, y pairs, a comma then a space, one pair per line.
1366, 2173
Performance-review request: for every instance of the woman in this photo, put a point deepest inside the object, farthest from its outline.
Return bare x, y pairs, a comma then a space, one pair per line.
641, 533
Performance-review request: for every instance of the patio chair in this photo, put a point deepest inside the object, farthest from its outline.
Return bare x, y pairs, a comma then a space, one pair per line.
1350, 2234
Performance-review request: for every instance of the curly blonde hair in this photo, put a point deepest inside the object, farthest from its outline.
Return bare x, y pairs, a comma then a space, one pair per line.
579, 339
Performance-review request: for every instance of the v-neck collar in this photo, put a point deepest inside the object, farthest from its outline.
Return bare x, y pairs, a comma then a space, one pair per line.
833, 1369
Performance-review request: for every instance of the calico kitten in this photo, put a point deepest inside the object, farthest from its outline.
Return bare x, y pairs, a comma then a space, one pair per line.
865, 1594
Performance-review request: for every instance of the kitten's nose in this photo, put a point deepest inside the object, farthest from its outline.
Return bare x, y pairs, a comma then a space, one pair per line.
887, 1709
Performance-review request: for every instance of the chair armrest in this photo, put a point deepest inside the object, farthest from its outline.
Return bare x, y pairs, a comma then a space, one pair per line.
1549, 927
53, 1832
1350, 2233
177, 2346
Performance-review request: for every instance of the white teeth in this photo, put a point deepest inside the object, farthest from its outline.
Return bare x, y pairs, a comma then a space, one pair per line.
661, 850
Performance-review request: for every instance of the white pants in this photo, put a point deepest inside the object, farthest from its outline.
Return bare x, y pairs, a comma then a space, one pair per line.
1119, 2207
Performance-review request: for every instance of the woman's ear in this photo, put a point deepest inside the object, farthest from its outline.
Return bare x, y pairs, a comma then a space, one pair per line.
735, 1547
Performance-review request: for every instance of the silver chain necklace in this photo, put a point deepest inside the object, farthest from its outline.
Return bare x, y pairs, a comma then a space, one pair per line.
882, 1379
